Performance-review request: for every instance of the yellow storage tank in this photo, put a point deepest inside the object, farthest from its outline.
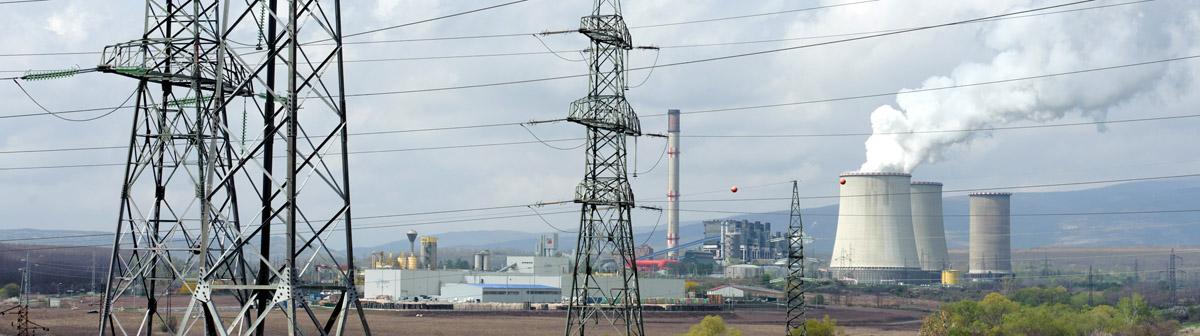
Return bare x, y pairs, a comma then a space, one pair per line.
412, 262
950, 278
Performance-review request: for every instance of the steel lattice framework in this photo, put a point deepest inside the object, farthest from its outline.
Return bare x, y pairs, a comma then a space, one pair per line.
604, 282
795, 279
182, 226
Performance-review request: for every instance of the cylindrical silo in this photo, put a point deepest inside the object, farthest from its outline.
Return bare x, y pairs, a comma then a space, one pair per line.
874, 241
429, 259
990, 250
929, 228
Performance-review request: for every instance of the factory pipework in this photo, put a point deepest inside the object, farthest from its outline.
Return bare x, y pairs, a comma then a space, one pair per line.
672, 182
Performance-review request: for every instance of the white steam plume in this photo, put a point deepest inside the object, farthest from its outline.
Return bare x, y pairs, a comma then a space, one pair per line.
1033, 46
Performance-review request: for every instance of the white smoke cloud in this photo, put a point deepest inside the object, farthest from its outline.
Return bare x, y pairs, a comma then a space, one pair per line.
1033, 46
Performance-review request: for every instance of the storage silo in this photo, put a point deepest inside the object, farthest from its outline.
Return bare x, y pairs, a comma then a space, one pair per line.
929, 227
874, 241
482, 259
429, 259
990, 236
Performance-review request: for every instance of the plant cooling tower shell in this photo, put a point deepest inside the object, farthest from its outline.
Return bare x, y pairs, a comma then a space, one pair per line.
874, 241
928, 226
990, 234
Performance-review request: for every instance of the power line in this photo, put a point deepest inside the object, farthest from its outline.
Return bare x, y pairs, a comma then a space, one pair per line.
1026, 186
489, 36
753, 15
827, 100
429, 19
721, 58
20, 1
939, 88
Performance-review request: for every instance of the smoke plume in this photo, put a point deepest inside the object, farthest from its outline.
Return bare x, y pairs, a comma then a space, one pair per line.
1034, 46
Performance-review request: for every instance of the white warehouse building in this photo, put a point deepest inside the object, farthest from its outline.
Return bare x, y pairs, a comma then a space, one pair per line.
500, 293
397, 284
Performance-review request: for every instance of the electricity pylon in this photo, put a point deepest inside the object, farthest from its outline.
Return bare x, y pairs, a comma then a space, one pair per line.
605, 243
181, 228
795, 278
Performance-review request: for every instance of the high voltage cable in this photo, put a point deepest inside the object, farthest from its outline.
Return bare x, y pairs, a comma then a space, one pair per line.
884, 94
726, 57
430, 19
754, 15
1026, 186
20, 1
984, 129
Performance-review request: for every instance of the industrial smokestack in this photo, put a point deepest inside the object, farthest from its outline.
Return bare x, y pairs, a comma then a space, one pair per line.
672, 182
929, 228
990, 250
874, 241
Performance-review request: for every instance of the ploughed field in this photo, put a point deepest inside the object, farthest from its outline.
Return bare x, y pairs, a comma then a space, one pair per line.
752, 321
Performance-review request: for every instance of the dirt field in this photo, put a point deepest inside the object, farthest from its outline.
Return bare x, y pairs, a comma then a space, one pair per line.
858, 321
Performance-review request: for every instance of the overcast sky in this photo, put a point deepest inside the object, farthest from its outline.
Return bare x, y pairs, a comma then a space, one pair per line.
417, 181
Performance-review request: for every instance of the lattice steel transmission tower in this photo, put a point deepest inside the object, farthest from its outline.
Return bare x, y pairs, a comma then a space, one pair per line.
183, 225
795, 280
605, 242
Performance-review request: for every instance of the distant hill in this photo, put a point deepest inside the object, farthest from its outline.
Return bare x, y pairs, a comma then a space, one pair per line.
1029, 230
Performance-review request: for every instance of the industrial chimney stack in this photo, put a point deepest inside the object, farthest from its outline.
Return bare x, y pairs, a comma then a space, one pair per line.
672, 182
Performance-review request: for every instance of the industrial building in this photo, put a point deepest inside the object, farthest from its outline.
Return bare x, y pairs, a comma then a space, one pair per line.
929, 228
875, 241
743, 240
990, 252
746, 292
550, 273
547, 245
402, 284
503, 293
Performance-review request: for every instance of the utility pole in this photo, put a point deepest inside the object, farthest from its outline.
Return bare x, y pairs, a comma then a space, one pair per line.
1171, 270
1137, 274
605, 223
23, 325
795, 280
1091, 286
179, 224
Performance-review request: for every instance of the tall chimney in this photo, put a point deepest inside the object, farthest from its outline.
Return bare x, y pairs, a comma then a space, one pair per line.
672, 182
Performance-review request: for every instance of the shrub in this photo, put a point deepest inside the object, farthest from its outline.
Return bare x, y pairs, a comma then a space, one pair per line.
712, 325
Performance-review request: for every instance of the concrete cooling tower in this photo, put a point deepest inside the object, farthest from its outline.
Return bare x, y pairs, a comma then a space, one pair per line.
990, 250
928, 228
874, 242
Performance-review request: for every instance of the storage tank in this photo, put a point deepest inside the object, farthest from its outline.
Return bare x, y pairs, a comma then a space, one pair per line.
990, 250
929, 227
482, 258
874, 241
429, 252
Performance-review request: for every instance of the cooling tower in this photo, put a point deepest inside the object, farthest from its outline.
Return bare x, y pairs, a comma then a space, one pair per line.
874, 240
928, 227
990, 250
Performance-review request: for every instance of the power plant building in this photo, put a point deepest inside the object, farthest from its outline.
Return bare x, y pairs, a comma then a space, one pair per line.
743, 240
875, 242
990, 252
929, 227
